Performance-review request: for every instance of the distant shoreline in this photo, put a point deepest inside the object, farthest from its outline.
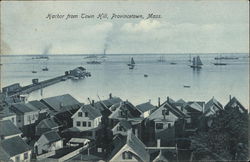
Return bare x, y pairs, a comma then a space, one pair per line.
55, 55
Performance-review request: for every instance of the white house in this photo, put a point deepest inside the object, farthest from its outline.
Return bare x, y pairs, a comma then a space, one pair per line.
26, 114
86, 118
122, 127
15, 149
49, 141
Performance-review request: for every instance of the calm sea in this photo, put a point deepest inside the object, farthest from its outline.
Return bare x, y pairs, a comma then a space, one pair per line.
113, 76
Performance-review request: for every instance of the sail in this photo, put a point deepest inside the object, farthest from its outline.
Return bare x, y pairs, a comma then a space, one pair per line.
194, 61
199, 61
132, 61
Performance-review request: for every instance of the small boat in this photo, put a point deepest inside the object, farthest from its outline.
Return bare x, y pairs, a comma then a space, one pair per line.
186, 86
196, 63
41, 57
94, 62
218, 64
131, 67
145, 75
33, 71
45, 69
132, 62
173, 63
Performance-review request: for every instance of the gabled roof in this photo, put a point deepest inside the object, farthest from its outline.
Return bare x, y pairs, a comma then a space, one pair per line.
145, 107
235, 103
52, 136
49, 122
195, 105
39, 105
133, 142
92, 112
126, 106
111, 101
168, 106
212, 106
7, 128
14, 146
57, 102
4, 155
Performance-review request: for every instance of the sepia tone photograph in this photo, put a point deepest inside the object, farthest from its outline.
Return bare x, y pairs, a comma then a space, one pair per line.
124, 81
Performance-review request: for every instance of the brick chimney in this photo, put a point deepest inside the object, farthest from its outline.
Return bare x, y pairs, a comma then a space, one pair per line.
110, 95
93, 102
159, 101
230, 97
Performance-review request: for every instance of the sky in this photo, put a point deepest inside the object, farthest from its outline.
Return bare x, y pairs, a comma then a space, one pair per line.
183, 27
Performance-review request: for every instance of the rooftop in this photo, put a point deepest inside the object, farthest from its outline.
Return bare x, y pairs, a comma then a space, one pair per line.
8, 128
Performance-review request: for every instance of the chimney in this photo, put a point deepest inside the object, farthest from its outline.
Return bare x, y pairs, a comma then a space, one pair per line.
92, 103
230, 97
167, 99
110, 95
159, 101
149, 100
158, 143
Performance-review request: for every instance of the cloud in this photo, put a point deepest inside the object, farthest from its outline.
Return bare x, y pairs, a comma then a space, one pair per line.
142, 26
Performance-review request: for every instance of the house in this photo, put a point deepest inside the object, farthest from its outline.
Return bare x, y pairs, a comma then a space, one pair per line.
122, 127
8, 130
212, 107
49, 141
86, 118
145, 109
62, 107
195, 109
14, 149
40, 106
235, 104
121, 111
160, 123
128, 148
46, 125
26, 114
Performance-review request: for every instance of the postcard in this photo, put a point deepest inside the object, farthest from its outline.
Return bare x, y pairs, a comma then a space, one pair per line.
124, 80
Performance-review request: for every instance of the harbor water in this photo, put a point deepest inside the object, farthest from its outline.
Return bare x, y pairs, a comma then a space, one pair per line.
171, 76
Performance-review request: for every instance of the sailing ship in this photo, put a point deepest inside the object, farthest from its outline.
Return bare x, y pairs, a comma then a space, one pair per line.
196, 63
161, 59
132, 63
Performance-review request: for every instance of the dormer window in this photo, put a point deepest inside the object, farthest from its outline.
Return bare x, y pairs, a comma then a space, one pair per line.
86, 114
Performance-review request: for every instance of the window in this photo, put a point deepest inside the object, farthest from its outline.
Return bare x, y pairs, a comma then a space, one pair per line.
84, 124
89, 124
79, 114
78, 123
169, 125
86, 114
126, 155
159, 125
13, 120
33, 117
99, 149
119, 128
26, 155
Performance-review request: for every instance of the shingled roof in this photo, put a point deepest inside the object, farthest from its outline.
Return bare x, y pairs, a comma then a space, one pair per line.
59, 103
145, 107
52, 136
7, 128
9, 149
